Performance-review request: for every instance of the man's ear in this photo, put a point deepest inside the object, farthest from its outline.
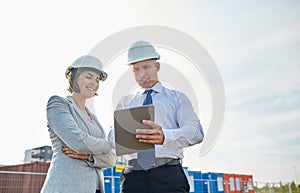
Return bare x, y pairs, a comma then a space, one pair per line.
157, 66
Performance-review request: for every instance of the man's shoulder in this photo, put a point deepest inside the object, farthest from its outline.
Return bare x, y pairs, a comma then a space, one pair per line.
129, 96
171, 91
125, 101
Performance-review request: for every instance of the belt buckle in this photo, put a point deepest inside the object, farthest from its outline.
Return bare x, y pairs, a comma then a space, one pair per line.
160, 162
154, 165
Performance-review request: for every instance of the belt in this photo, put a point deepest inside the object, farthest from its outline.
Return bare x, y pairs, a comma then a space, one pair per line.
158, 162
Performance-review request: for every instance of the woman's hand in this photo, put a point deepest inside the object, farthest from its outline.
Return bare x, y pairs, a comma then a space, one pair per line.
73, 154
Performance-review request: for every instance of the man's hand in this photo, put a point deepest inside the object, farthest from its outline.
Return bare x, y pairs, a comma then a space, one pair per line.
73, 154
153, 136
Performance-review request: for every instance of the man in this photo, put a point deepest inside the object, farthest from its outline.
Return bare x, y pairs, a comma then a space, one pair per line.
176, 126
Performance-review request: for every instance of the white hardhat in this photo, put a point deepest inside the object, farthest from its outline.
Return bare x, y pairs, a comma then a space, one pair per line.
88, 61
140, 51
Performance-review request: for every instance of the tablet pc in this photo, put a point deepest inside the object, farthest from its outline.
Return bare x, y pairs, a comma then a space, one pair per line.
126, 121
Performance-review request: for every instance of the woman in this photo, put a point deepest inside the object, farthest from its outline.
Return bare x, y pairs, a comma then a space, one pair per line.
80, 149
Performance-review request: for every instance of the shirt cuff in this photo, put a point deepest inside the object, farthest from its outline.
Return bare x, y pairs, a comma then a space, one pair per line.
168, 136
111, 139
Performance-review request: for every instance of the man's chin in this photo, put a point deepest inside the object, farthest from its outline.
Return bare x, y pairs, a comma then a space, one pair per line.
146, 84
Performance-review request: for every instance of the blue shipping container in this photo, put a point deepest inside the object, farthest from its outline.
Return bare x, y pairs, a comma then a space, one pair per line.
212, 182
196, 185
111, 180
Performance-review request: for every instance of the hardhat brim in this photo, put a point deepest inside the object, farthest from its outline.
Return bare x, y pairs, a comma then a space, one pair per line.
142, 59
103, 75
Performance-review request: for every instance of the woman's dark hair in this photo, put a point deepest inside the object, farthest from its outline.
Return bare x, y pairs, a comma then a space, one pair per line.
73, 86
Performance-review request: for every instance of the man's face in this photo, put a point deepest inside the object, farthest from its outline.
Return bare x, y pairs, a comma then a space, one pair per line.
145, 72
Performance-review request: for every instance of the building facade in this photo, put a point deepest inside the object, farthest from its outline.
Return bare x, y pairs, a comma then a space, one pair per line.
39, 154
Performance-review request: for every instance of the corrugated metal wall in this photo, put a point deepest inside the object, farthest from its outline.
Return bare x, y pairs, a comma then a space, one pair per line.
29, 178
24, 178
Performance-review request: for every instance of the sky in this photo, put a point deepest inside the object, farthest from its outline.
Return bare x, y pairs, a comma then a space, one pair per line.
254, 44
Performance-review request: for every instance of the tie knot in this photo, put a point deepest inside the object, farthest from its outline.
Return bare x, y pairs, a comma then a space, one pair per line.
148, 91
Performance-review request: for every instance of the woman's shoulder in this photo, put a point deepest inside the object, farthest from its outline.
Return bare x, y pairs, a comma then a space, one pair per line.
57, 99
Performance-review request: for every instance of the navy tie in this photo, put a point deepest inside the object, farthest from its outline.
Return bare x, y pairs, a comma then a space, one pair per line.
146, 159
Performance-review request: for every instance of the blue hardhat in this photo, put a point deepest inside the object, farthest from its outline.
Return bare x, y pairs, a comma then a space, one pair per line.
88, 61
141, 50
